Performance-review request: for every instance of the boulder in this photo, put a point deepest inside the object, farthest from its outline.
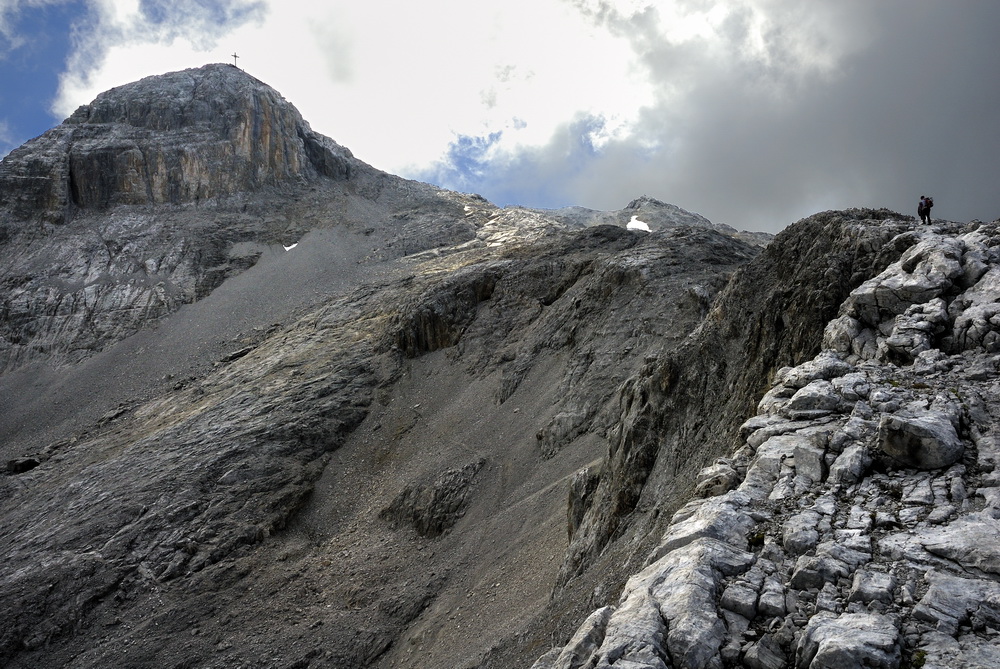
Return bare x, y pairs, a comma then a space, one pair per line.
817, 399
825, 366
851, 464
924, 271
969, 651
741, 597
772, 599
799, 532
976, 313
872, 586
831, 562
972, 541
914, 331
766, 654
849, 641
720, 518
924, 442
951, 601
718, 479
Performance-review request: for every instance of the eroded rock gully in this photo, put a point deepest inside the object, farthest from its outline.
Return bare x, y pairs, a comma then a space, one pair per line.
855, 524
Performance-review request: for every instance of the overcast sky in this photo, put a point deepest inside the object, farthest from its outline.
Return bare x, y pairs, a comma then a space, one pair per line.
754, 113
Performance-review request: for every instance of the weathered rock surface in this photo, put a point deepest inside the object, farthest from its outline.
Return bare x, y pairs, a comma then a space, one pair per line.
176, 138
869, 520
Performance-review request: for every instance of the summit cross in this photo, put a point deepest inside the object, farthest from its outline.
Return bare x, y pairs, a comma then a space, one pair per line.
234, 59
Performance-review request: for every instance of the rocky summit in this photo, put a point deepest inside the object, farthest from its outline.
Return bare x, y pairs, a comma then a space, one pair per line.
263, 405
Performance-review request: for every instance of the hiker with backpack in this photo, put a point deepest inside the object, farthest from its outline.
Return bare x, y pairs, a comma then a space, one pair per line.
924, 208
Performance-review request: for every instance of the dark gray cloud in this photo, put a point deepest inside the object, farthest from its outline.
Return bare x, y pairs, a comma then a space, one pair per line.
855, 104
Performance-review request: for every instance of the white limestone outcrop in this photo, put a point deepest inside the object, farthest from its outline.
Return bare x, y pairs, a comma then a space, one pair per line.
863, 528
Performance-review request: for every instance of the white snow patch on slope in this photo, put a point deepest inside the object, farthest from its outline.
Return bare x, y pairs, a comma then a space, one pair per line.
636, 224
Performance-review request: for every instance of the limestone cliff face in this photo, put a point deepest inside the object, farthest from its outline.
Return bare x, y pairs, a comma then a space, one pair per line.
176, 138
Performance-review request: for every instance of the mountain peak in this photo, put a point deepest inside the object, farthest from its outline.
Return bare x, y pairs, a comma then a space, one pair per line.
209, 94
179, 137
645, 200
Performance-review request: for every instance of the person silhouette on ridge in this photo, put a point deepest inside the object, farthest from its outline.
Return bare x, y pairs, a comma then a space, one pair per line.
924, 209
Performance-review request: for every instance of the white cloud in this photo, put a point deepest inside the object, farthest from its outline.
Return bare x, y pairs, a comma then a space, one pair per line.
752, 112
400, 82
394, 81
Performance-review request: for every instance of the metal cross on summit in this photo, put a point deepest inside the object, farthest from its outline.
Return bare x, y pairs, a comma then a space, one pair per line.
234, 59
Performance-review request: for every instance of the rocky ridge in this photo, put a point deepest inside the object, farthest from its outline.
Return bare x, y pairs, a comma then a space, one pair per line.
856, 524
649, 214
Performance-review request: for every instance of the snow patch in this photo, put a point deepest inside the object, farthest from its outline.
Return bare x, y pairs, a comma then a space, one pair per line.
636, 224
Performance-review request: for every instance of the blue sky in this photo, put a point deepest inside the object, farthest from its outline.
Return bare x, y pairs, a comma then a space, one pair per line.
35, 51
753, 113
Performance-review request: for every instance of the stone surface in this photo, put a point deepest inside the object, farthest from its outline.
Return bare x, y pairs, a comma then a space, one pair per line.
848, 641
872, 586
928, 441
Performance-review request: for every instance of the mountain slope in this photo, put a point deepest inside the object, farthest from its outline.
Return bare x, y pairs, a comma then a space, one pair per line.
388, 410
